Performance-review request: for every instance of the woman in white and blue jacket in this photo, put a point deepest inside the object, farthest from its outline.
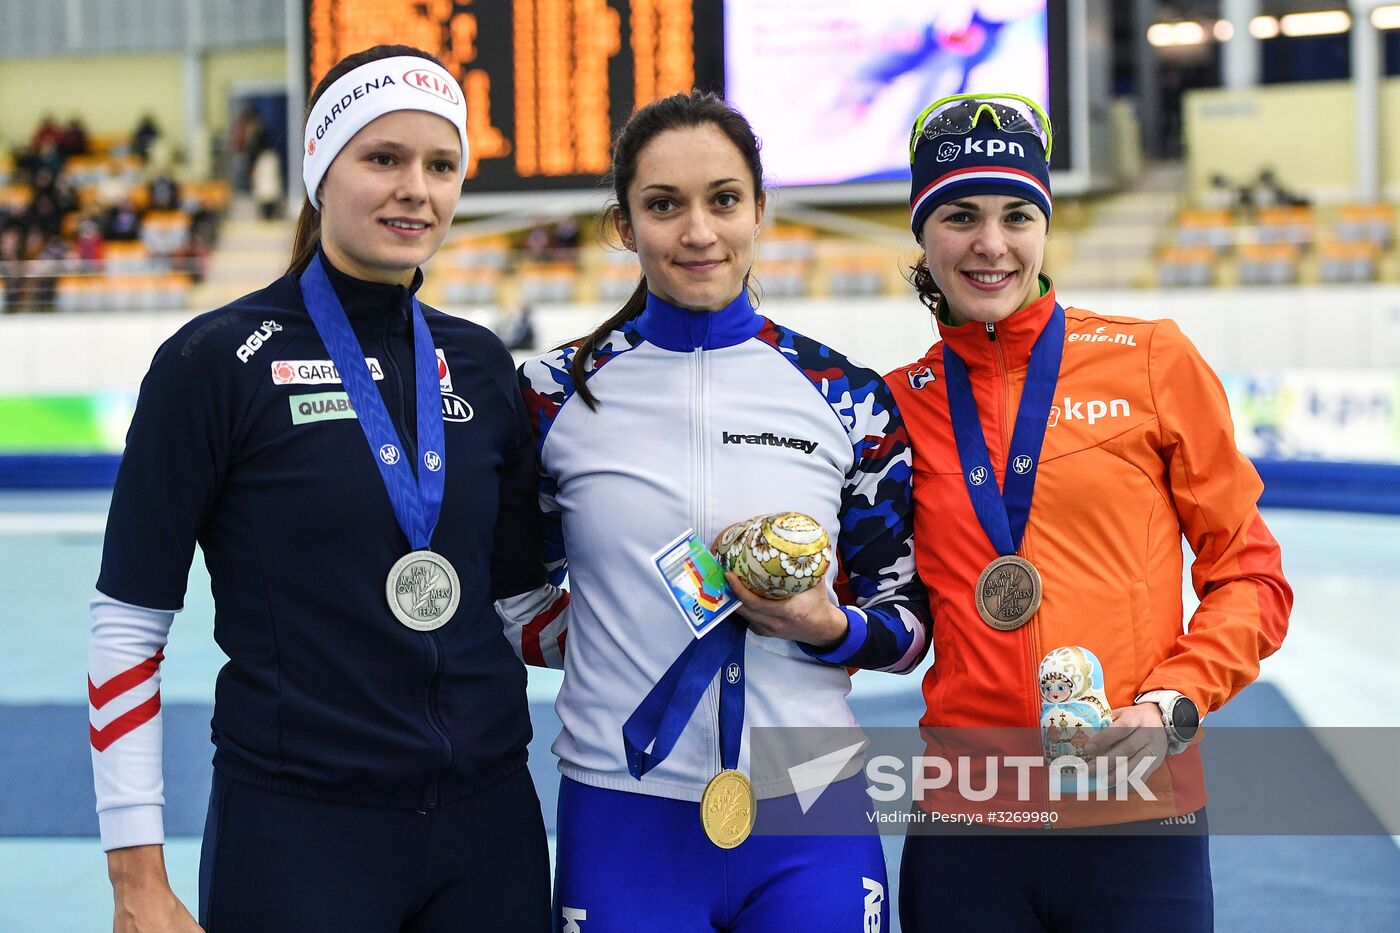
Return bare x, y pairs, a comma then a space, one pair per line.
688, 409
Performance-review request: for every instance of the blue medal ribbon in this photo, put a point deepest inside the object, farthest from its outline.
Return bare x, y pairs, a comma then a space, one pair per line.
1004, 513
416, 495
660, 718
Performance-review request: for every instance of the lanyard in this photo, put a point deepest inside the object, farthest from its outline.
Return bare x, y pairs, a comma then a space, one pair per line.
1003, 514
662, 715
417, 499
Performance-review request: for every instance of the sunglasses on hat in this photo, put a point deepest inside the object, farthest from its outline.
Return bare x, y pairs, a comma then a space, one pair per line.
959, 114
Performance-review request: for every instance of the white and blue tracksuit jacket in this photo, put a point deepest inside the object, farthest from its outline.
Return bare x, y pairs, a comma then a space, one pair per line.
705, 419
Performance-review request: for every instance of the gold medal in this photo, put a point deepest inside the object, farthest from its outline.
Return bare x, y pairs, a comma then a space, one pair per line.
1008, 593
727, 808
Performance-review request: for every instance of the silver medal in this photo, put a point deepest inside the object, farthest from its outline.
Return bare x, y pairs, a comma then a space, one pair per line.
423, 590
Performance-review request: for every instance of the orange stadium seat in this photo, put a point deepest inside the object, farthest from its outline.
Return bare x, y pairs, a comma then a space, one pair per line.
541, 283
1180, 266
1212, 228
471, 286
1349, 261
856, 275
1268, 263
1373, 223
1285, 225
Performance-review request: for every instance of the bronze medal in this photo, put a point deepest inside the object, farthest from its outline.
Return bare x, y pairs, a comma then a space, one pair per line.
727, 808
1008, 592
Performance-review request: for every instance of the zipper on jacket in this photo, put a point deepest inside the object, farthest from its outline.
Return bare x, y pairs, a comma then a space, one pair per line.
1031, 641
406, 423
430, 711
699, 509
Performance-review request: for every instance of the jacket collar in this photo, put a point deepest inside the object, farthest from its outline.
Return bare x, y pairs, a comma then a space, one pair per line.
671, 327
370, 300
1015, 335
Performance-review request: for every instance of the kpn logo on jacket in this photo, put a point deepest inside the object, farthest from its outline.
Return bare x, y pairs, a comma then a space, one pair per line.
1090, 410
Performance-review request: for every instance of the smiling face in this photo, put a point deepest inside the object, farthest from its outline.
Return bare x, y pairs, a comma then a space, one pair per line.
692, 216
388, 198
985, 253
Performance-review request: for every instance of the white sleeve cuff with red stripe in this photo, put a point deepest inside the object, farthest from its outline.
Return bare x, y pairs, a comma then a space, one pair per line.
536, 625
125, 648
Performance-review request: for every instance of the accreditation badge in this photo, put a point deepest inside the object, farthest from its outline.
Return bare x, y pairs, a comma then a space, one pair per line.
695, 581
423, 590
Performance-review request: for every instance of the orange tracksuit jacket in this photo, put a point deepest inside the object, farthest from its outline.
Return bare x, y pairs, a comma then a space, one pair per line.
1139, 451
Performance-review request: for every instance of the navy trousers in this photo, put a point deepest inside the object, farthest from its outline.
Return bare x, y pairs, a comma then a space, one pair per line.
273, 862
1057, 881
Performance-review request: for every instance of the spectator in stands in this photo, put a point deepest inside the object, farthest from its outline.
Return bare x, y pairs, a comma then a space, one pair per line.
41, 286
517, 331
45, 213
267, 183
48, 133
48, 158
1276, 194
11, 255
246, 137
165, 191
537, 243
75, 138
997, 409
122, 222
566, 239
144, 136
89, 245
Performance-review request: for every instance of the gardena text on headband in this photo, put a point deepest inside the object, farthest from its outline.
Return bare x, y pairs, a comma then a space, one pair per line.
958, 114
405, 82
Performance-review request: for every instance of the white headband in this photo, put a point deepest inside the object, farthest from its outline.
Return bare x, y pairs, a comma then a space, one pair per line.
366, 94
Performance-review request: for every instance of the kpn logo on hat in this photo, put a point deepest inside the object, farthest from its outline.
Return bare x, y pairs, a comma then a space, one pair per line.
982, 161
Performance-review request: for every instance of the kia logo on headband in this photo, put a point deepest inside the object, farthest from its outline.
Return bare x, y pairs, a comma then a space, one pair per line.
433, 83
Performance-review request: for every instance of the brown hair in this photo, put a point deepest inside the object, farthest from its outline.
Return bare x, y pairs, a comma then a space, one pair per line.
308, 236
921, 278
679, 111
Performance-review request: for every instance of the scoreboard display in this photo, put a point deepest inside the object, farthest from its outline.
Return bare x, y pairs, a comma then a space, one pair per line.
547, 82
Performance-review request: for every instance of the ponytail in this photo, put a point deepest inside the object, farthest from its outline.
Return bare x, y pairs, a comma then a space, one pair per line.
307, 239
630, 309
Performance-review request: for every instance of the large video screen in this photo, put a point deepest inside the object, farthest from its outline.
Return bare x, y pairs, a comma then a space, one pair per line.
547, 82
832, 86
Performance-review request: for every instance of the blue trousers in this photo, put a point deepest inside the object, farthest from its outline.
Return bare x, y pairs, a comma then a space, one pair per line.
1056, 881
634, 862
273, 862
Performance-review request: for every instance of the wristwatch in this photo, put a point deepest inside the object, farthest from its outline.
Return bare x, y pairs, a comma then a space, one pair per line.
1179, 715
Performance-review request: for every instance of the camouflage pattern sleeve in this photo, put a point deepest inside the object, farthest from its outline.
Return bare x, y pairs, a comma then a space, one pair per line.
889, 620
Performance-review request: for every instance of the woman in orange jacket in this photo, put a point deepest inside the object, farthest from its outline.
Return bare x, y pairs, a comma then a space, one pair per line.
1059, 457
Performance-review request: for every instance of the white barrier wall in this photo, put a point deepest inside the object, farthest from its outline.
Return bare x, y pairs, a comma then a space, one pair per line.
1258, 329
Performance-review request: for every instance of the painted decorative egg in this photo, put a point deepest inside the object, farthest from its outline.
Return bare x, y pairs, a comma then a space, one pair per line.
777, 556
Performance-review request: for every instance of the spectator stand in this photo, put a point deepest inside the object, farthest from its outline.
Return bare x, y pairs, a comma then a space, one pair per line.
127, 235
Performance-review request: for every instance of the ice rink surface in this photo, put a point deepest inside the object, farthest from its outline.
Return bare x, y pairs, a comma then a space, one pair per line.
1339, 666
